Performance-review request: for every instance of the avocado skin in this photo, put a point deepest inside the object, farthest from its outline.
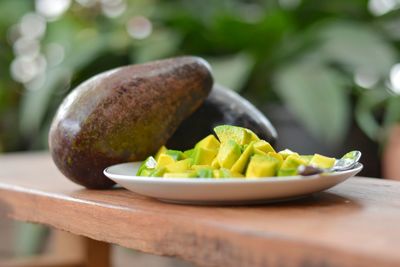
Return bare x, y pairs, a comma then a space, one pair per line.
124, 115
222, 106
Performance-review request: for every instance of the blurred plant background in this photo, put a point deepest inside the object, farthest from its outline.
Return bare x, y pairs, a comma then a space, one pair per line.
324, 72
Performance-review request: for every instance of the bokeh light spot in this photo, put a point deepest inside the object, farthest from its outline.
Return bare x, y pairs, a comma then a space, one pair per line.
395, 78
32, 26
52, 9
139, 27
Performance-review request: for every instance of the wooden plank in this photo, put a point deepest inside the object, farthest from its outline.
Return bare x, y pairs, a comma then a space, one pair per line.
357, 223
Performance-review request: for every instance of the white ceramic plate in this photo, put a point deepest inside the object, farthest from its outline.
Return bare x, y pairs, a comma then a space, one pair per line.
224, 191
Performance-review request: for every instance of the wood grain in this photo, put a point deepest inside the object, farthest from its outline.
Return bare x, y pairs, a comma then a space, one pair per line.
357, 223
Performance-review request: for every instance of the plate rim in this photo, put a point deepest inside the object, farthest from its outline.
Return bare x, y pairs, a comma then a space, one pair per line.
357, 168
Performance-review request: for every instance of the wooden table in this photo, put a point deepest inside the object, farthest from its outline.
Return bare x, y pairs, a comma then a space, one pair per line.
357, 223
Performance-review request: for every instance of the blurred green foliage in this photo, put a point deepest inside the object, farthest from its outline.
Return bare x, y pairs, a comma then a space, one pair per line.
307, 55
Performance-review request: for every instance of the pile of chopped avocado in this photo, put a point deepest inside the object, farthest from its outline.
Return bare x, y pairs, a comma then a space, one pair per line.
237, 153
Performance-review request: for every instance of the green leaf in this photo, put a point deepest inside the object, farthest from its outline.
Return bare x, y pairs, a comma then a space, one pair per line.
11, 11
316, 95
367, 103
392, 113
389, 24
160, 44
232, 71
357, 46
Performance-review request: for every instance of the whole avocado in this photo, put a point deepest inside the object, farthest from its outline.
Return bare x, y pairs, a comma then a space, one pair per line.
125, 115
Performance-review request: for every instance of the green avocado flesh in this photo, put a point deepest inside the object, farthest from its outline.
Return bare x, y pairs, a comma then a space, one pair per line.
236, 152
126, 114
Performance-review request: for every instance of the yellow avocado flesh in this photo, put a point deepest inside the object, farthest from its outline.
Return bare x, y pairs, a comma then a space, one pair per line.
287, 152
225, 173
179, 166
290, 165
216, 174
228, 154
162, 150
306, 158
238, 134
188, 153
264, 146
254, 137
158, 172
322, 162
205, 173
292, 162
262, 166
209, 142
175, 154
287, 172
203, 156
215, 163
198, 167
259, 152
164, 160
240, 165
277, 156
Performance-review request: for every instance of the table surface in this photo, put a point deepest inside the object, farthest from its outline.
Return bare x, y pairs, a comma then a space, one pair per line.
356, 223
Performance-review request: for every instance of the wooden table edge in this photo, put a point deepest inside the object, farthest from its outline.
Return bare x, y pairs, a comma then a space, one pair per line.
196, 241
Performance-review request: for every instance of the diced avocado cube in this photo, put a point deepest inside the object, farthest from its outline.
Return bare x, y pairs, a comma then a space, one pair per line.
140, 170
215, 163
264, 146
322, 161
175, 154
292, 162
306, 158
197, 167
287, 152
228, 154
179, 166
162, 150
209, 142
262, 166
277, 156
146, 172
224, 173
180, 175
240, 165
205, 173
216, 174
259, 152
287, 172
236, 175
203, 156
228, 132
254, 137
243, 147
158, 172
188, 153
150, 163
164, 160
